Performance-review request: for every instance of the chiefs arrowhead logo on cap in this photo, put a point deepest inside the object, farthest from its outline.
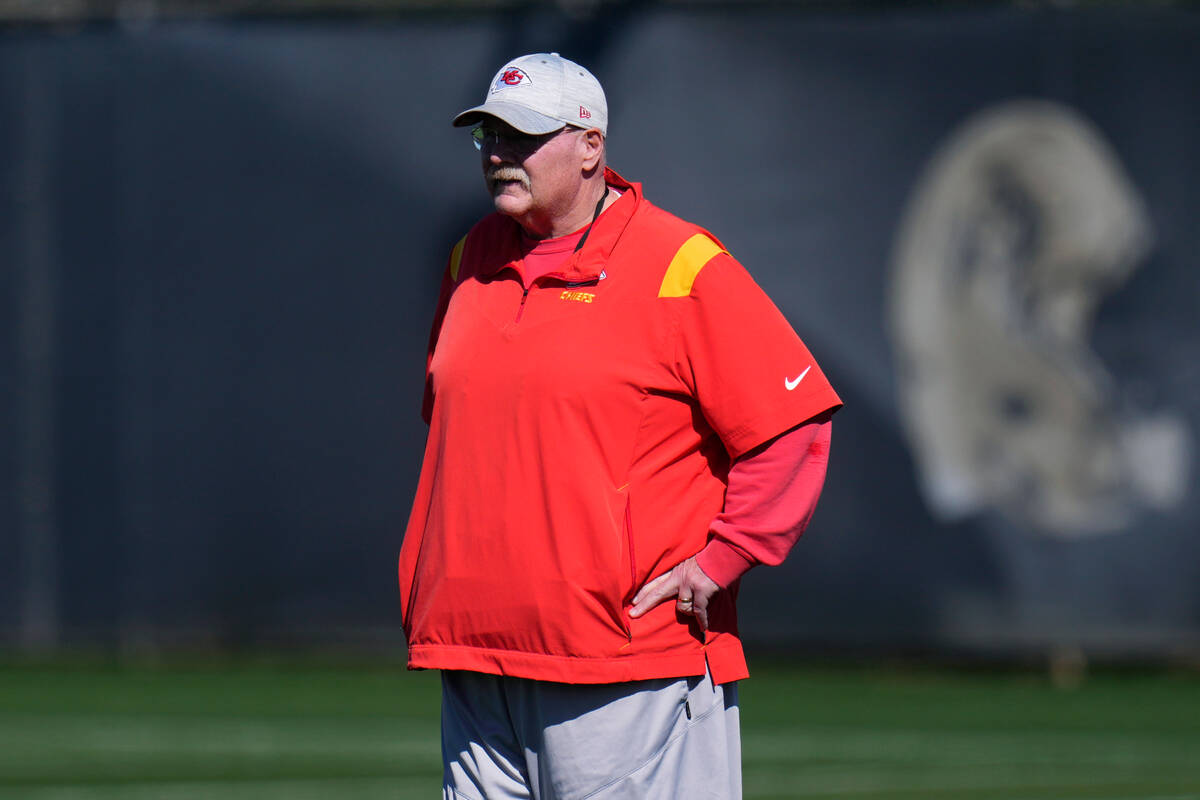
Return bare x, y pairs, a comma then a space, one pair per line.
509, 77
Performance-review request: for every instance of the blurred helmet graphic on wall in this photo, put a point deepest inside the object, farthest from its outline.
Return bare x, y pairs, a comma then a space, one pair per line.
1021, 224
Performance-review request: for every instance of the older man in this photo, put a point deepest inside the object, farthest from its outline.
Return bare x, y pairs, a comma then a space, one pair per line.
621, 424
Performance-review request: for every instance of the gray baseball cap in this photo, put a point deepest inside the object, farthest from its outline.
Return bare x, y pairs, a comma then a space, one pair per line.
540, 93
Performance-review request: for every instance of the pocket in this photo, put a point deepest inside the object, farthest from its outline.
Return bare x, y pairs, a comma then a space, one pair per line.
600, 572
630, 551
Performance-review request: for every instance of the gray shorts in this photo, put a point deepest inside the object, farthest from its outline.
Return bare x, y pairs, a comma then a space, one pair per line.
516, 739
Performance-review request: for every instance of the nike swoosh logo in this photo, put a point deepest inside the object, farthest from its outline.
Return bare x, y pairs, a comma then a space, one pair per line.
793, 383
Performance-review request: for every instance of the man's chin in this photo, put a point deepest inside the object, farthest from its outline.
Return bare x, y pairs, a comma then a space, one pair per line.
509, 203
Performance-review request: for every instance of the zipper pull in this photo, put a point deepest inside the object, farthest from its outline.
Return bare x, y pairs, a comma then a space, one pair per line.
521, 308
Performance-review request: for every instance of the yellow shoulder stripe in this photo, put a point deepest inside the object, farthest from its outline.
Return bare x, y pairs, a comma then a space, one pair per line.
686, 265
456, 258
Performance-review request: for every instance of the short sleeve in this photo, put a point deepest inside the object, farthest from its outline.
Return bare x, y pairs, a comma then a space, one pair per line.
741, 360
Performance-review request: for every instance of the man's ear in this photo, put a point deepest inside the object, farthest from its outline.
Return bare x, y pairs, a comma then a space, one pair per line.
593, 144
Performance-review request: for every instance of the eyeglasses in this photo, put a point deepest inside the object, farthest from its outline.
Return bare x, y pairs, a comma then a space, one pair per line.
512, 139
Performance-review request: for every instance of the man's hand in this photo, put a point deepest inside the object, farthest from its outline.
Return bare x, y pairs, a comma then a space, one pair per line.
687, 583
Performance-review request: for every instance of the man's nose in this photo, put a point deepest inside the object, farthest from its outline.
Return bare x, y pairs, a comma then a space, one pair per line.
497, 151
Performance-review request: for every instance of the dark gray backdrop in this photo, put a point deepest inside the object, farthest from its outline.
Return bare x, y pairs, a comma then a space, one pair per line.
221, 245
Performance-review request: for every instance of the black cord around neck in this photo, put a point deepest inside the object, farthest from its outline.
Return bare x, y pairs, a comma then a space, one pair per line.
595, 216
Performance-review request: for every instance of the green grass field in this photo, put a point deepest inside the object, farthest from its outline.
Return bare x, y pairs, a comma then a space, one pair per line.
277, 730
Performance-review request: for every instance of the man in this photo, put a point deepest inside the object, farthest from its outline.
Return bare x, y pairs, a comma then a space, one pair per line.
621, 424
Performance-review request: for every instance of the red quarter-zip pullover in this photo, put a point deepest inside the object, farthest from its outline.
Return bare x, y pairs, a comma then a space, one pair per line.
581, 432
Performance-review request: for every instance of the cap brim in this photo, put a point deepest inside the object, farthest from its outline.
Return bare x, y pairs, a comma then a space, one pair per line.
520, 117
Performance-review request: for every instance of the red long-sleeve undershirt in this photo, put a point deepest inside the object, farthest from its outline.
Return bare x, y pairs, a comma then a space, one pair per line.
772, 493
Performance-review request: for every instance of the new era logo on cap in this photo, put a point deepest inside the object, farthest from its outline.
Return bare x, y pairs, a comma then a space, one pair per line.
584, 113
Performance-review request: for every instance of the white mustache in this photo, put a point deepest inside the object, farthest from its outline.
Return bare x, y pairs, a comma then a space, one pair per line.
507, 173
